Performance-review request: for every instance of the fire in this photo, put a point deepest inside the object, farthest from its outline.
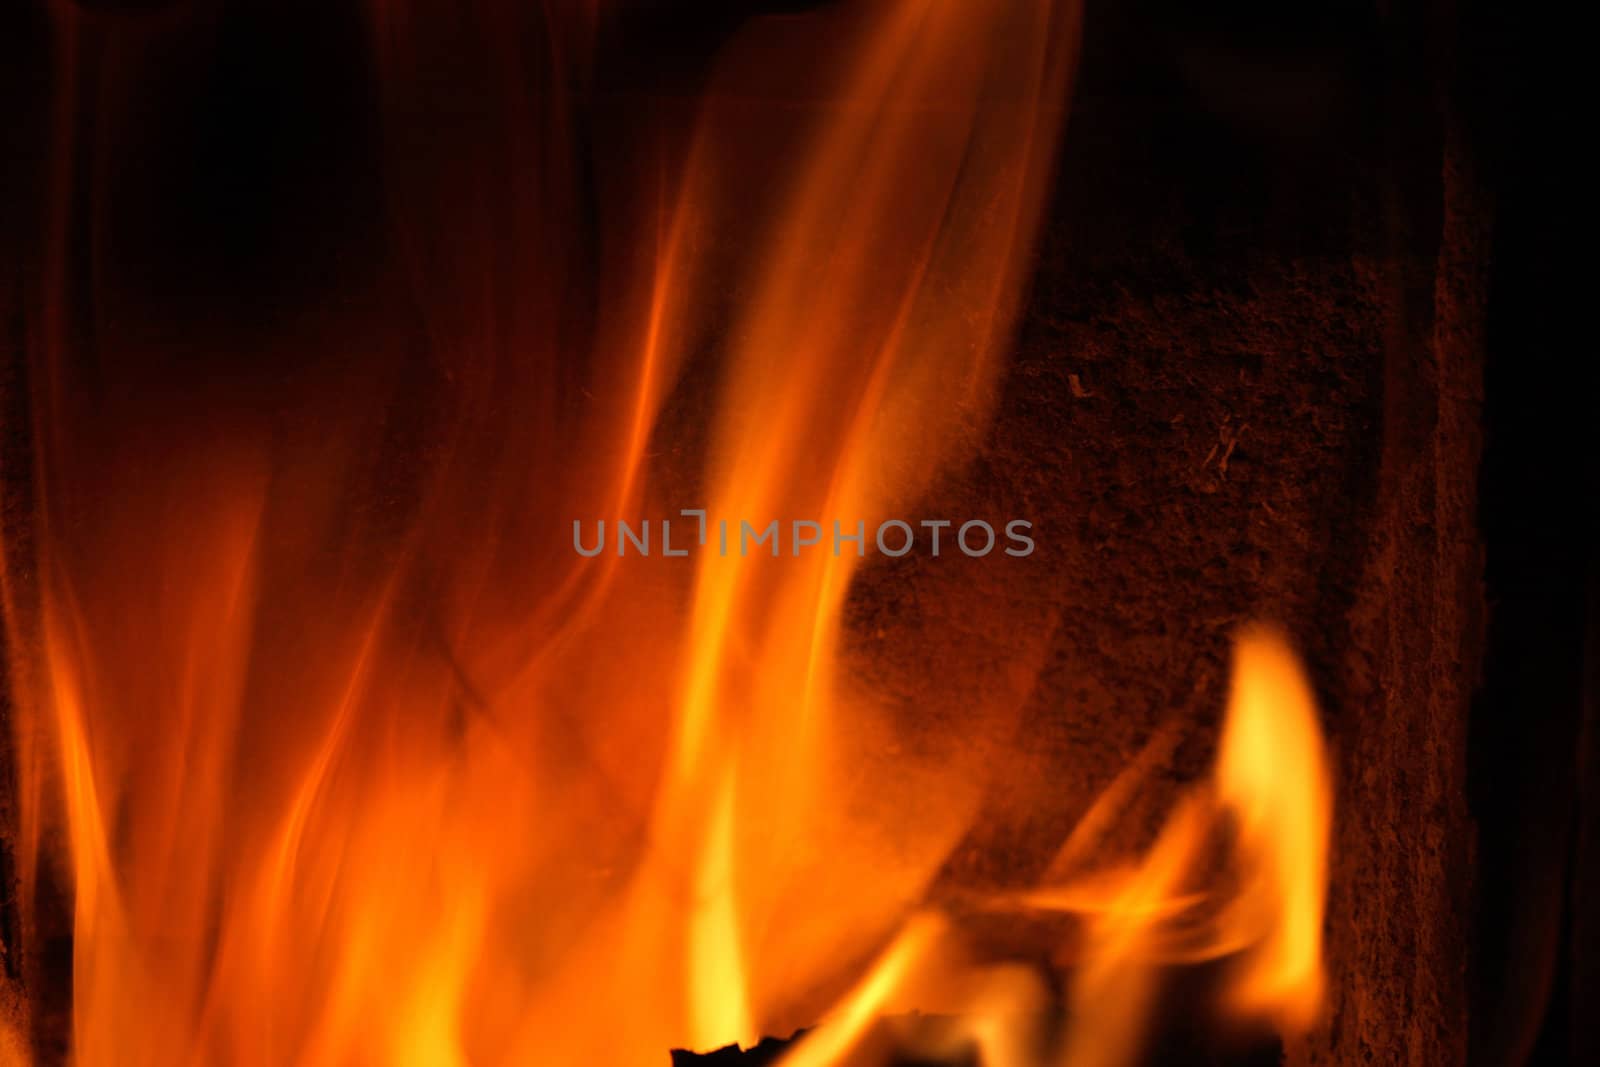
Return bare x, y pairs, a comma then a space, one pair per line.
1269, 796
341, 756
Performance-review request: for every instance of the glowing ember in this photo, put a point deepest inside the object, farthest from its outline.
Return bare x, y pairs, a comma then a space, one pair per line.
412, 783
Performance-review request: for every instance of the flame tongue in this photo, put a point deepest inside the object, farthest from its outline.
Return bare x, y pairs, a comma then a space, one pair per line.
1270, 796
1272, 777
867, 347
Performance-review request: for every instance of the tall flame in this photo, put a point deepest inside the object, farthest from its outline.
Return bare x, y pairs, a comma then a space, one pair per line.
342, 756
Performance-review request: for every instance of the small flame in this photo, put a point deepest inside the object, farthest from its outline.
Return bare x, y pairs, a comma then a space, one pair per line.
1270, 787
1272, 777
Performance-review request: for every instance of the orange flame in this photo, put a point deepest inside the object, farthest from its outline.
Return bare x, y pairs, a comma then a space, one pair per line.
1271, 788
344, 757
